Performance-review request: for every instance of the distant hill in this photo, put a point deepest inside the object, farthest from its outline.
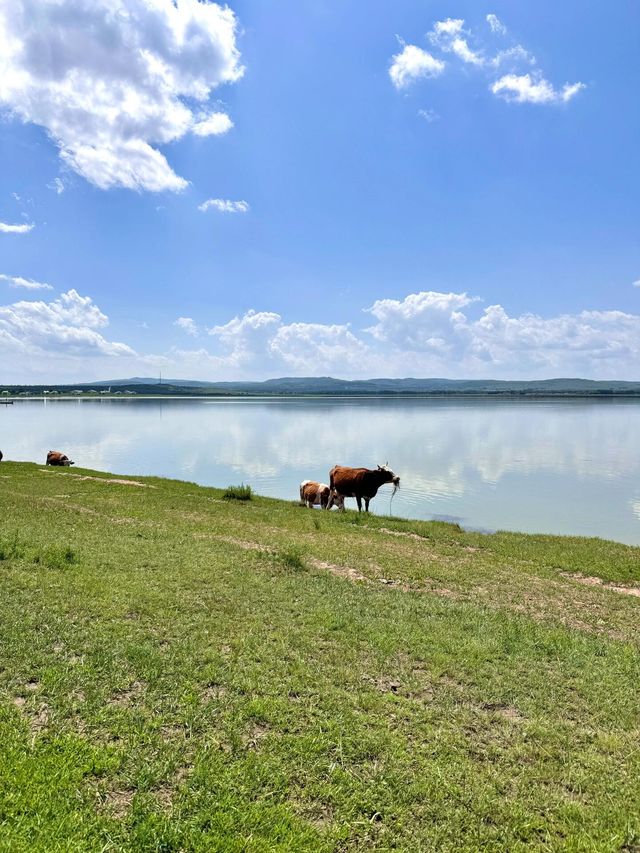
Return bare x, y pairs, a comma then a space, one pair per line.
326, 385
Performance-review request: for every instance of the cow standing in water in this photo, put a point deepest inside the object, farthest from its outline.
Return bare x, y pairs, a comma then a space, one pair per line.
54, 457
359, 483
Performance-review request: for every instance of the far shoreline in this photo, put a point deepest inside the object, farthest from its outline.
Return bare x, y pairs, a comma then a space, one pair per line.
499, 395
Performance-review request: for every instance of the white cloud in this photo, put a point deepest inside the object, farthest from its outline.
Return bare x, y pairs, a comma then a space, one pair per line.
451, 37
110, 80
446, 30
435, 332
27, 283
316, 347
224, 205
259, 342
245, 336
213, 125
448, 36
424, 334
636, 283
57, 186
411, 64
420, 322
188, 325
428, 333
528, 89
6, 228
66, 326
513, 55
496, 25
428, 115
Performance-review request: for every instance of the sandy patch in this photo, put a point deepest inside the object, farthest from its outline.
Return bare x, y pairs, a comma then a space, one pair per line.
112, 480
589, 580
118, 802
340, 571
404, 534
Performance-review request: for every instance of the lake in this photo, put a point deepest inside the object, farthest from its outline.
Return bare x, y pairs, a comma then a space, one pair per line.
566, 466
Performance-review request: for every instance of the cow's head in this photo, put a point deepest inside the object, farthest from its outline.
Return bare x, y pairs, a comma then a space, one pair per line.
335, 499
389, 476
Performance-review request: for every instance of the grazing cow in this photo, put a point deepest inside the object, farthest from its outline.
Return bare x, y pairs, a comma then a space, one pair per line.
314, 494
54, 457
359, 483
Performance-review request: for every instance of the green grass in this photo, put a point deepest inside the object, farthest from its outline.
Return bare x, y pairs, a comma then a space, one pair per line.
238, 493
183, 673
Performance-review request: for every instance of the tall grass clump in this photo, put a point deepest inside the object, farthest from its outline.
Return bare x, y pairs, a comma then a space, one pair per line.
291, 558
238, 493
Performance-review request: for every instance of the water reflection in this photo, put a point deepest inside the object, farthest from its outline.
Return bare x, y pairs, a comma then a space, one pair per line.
565, 467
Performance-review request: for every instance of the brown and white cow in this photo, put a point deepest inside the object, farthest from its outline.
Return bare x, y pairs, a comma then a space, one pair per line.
54, 457
314, 494
359, 483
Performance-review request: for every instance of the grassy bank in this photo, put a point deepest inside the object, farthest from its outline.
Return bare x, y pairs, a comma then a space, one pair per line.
180, 672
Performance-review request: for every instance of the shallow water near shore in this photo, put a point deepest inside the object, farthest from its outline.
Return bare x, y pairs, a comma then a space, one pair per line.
543, 466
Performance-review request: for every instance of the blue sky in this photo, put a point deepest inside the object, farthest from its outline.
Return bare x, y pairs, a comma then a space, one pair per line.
402, 189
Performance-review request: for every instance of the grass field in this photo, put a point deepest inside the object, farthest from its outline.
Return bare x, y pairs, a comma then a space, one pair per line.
180, 672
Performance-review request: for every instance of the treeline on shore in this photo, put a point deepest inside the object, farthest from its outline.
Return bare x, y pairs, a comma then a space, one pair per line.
328, 386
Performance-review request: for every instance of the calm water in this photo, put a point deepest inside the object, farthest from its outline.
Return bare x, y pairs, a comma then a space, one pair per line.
553, 467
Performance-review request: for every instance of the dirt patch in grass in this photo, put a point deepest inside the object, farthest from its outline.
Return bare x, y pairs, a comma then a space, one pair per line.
252, 738
116, 481
127, 698
213, 692
243, 543
506, 711
118, 803
589, 580
340, 571
37, 720
405, 534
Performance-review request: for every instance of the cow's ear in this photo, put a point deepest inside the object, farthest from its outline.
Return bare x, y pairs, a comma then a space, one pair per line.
379, 467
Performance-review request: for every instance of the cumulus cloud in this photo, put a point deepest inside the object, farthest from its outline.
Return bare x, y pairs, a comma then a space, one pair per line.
429, 333
214, 125
260, 340
313, 346
428, 115
110, 80
188, 325
411, 64
636, 283
420, 322
27, 283
224, 205
496, 25
23, 228
66, 326
438, 330
528, 89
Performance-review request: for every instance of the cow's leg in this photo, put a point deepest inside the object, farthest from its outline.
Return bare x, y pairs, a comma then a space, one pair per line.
359, 502
366, 504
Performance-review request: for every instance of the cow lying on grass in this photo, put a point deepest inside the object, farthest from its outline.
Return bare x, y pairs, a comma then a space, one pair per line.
359, 483
317, 494
54, 457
